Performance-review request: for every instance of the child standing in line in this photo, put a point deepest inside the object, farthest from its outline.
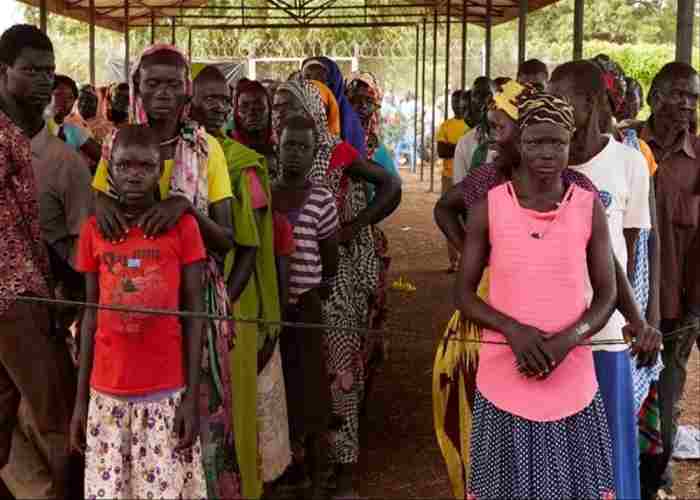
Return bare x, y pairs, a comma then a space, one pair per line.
312, 212
136, 414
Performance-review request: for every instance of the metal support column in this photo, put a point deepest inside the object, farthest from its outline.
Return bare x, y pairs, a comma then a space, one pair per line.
153, 27
447, 59
189, 45
464, 44
43, 16
415, 100
522, 31
126, 41
684, 31
91, 41
578, 29
422, 101
432, 130
173, 36
489, 40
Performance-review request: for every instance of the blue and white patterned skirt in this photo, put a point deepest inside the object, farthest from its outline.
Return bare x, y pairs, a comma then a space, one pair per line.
516, 458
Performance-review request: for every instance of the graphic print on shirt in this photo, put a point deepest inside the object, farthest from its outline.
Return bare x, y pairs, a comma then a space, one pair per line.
133, 280
606, 199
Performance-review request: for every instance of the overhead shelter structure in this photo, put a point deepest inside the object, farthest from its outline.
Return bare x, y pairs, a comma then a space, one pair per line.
125, 16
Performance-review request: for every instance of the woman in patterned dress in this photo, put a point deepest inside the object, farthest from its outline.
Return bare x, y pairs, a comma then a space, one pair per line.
338, 167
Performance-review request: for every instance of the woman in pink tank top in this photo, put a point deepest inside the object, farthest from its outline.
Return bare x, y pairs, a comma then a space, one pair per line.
539, 428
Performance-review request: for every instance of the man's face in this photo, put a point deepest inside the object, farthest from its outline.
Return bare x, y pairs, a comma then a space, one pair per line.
459, 104
579, 98
253, 111
296, 152
481, 94
538, 80
162, 90
87, 104
677, 101
120, 99
211, 104
316, 71
30, 79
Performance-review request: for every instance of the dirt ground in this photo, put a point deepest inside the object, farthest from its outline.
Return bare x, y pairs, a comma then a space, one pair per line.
401, 457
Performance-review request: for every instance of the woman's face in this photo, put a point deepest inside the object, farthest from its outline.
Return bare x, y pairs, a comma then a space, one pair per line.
316, 71
544, 150
503, 136
162, 90
286, 104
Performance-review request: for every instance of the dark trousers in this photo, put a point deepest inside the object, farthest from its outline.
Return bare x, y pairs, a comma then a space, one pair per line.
37, 393
671, 386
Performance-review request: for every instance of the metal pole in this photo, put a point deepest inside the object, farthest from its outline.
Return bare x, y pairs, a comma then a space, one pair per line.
684, 31
189, 45
92, 41
578, 30
422, 101
43, 16
415, 101
522, 31
488, 40
153, 28
464, 44
173, 36
447, 61
432, 129
126, 40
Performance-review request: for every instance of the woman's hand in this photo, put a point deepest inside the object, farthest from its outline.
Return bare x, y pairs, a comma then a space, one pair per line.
647, 341
110, 219
558, 347
186, 426
78, 428
528, 345
164, 215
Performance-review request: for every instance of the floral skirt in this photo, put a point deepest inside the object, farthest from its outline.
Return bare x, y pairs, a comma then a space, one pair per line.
515, 458
131, 451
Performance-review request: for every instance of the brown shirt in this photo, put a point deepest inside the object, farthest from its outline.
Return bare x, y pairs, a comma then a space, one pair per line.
677, 183
66, 198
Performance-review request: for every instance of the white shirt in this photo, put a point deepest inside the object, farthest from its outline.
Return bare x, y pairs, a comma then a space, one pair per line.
463, 155
622, 177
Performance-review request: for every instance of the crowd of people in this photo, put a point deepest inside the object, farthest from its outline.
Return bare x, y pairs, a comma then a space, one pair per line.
222, 278
244, 207
573, 226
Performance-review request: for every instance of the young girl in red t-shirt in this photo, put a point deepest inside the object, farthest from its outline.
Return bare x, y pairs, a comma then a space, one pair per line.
136, 414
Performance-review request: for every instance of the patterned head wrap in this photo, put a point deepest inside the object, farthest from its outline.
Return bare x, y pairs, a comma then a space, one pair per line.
372, 131
331, 107
614, 79
250, 87
541, 107
507, 100
189, 175
310, 98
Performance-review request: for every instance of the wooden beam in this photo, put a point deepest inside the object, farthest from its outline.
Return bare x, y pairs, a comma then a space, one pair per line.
522, 31
92, 42
684, 31
489, 39
432, 130
422, 100
578, 29
447, 61
43, 16
415, 100
465, 13
126, 41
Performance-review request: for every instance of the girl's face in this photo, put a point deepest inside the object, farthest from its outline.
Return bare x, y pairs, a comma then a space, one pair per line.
285, 104
162, 90
544, 149
503, 136
296, 152
136, 170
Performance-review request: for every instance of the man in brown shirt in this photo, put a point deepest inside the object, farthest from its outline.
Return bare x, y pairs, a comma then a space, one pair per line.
674, 102
36, 407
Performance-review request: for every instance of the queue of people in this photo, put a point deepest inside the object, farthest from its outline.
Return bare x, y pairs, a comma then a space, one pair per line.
142, 196
569, 196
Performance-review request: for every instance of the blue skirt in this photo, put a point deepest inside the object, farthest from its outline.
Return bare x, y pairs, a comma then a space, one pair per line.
516, 458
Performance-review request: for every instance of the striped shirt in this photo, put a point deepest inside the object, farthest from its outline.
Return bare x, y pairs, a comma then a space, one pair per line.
317, 220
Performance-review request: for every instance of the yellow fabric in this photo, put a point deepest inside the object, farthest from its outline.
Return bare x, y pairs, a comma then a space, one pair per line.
453, 356
217, 175
332, 110
648, 156
52, 126
450, 132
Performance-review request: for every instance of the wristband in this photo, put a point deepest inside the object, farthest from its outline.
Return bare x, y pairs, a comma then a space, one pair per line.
581, 330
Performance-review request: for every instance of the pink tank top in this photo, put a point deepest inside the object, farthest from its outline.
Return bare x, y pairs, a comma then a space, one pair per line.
538, 268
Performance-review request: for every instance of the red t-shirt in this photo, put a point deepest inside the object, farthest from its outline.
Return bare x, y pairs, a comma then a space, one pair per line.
283, 235
138, 353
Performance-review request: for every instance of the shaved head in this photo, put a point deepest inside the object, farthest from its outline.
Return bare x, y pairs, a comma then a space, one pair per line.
210, 74
586, 75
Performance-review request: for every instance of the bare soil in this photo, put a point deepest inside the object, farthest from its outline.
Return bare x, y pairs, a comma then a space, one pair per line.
401, 456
